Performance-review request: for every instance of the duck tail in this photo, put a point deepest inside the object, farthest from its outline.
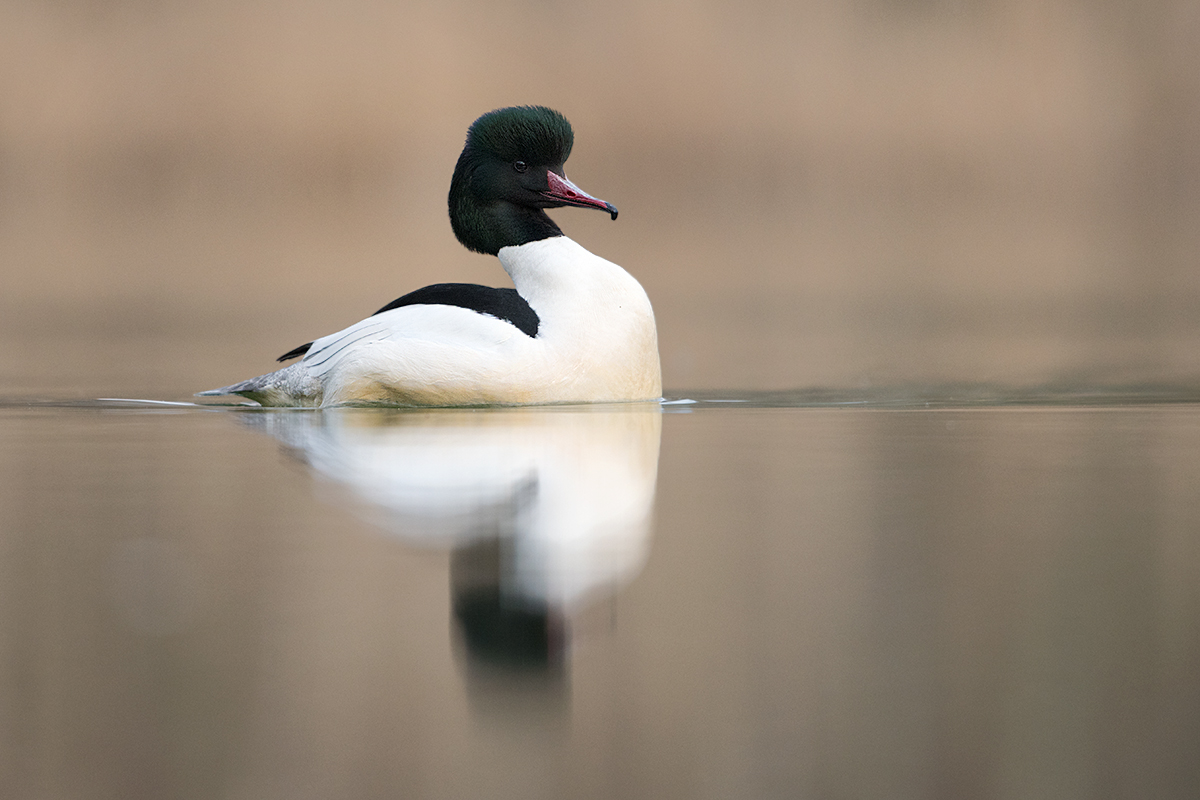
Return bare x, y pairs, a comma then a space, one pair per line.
290, 386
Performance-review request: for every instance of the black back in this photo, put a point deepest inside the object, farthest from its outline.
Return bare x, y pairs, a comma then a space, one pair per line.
503, 304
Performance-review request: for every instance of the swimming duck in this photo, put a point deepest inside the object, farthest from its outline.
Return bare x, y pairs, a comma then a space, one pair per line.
576, 328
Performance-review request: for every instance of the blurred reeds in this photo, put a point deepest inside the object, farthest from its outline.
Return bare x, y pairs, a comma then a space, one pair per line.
830, 194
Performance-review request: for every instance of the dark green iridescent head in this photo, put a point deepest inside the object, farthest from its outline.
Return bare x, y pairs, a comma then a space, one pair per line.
510, 171
534, 134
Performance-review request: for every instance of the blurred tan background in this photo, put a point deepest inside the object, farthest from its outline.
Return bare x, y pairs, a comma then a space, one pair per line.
813, 194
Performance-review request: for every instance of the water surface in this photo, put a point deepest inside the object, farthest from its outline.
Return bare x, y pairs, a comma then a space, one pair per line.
889, 593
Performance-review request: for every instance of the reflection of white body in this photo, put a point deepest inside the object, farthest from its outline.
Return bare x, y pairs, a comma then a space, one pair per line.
573, 488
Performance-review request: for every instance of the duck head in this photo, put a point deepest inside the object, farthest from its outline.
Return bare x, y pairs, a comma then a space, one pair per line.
509, 172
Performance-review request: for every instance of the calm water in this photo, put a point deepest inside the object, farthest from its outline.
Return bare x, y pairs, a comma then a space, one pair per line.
883, 596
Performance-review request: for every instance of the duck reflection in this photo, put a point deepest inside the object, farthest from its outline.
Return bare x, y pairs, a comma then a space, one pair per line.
545, 510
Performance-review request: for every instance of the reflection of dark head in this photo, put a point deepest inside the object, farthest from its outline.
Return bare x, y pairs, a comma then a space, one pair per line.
505, 631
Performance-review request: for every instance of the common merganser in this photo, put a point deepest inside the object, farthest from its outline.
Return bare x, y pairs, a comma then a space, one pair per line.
576, 328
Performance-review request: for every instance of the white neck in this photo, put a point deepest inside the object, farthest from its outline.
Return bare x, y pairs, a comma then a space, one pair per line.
590, 311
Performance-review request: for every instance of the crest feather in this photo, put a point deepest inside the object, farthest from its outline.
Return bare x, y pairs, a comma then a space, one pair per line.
536, 134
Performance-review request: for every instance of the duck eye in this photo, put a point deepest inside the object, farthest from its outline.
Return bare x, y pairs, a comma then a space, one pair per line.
520, 166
